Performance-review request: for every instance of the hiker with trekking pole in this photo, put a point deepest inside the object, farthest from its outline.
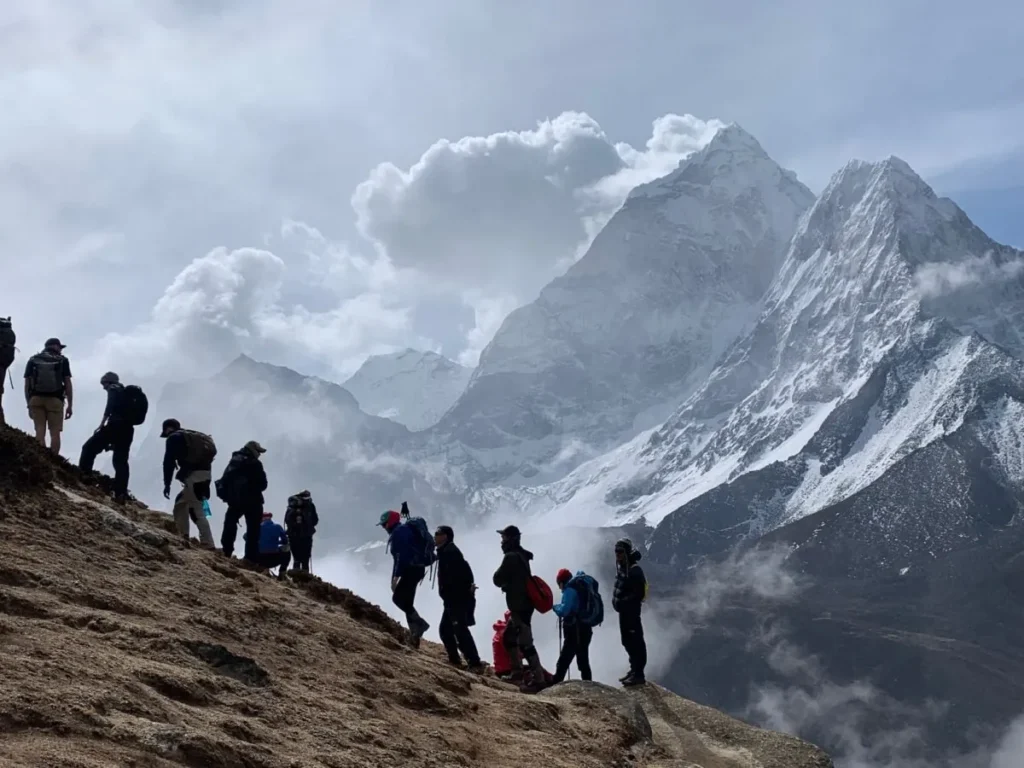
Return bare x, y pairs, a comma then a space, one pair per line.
580, 610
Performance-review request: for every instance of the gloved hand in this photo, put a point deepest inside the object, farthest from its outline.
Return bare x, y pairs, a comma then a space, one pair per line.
167, 491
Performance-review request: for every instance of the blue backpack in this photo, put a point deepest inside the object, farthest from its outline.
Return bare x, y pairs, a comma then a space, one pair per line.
428, 554
591, 608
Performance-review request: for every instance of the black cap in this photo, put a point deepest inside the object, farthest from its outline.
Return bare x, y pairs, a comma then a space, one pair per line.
53, 341
169, 426
447, 531
510, 531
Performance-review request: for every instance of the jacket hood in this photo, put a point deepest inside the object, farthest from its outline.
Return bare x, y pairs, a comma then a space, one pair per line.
635, 556
526, 553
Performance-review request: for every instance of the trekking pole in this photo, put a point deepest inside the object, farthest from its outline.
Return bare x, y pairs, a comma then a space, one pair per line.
568, 674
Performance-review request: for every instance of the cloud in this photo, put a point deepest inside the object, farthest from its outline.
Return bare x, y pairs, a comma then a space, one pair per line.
860, 725
936, 279
500, 215
233, 301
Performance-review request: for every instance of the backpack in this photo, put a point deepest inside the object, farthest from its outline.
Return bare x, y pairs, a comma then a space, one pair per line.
7, 341
230, 488
47, 375
540, 594
591, 608
199, 448
301, 516
428, 552
134, 405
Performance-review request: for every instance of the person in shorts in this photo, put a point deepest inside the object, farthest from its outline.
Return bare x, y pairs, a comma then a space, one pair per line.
49, 392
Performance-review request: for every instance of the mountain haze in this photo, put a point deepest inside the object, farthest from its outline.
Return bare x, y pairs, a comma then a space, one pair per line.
411, 387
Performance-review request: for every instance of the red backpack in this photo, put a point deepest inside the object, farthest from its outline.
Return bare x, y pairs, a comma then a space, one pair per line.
540, 594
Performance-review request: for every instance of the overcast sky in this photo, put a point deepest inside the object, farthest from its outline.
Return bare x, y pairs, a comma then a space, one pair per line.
312, 181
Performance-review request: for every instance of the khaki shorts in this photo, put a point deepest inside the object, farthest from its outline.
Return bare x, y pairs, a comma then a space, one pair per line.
47, 411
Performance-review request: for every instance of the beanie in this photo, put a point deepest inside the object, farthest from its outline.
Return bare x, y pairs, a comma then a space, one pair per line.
563, 576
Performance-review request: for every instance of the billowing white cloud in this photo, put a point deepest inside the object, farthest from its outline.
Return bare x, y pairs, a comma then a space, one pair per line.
484, 221
495, 218
233, 301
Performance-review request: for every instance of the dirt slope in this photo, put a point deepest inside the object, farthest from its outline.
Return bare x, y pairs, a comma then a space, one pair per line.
121, 645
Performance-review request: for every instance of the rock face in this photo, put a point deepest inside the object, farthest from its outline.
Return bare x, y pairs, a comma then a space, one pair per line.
125, 645
856, 361
411, 387
634, 326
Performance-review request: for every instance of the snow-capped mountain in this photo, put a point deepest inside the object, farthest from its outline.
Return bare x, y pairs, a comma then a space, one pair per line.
632, 328
411, 387
856, 362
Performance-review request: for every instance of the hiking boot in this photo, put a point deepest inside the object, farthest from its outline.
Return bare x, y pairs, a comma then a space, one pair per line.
632, 680
416, 632
479, 668
456, 663
625, 677
534, 686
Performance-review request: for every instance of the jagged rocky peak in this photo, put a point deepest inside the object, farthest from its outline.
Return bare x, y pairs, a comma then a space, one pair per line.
609, 348
412, 387
730, 165
883, 235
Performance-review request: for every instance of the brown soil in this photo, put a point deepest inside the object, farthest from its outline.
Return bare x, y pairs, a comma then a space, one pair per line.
122, 645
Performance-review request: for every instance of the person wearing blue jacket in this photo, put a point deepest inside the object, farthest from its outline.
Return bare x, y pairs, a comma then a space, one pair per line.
274, 550
576, 634
408, 570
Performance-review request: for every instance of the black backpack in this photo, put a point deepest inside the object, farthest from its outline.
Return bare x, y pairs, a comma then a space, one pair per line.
301, 516
233, 485
48, 375
134, 405
7, 341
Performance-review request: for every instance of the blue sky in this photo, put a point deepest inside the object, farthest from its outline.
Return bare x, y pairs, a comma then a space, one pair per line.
208, 177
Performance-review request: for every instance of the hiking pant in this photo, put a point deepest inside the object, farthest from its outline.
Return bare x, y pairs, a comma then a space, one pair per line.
404, 595
188, 506
631, 629
575, 644
302, 550
455, 634
113, 436
253, 516
274, 560
518, 641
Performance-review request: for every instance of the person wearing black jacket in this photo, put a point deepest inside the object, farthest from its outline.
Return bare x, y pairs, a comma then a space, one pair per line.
241, 487
115, 433
192, 454
627, 600
301, 520
512, 578
457, 588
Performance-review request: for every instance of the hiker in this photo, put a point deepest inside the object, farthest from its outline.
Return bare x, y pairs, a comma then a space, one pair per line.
457, 588
627, 600
578, 613
192, 453
126, 409
512, 578
241, 487
301, 520
7, 349
273, 546
47, 388
412, 556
